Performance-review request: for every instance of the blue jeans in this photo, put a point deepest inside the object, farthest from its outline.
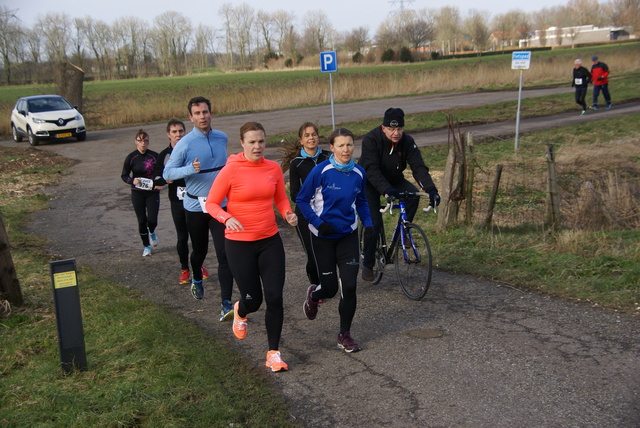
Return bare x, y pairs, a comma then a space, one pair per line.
605, 91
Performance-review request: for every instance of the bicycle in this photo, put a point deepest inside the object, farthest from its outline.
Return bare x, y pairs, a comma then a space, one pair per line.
409, 251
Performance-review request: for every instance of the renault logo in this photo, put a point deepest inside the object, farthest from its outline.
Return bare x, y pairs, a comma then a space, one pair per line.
60, 121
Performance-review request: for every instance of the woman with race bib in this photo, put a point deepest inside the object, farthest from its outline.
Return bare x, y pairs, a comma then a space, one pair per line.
138, 171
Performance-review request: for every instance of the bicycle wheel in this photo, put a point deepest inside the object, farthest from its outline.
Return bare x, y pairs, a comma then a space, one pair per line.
380, 259
413, 262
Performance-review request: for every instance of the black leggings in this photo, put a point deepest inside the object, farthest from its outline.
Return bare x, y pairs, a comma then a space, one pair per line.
258, 266
146, 205
344, 254
581, 94
200, 225
180, 221
305, 238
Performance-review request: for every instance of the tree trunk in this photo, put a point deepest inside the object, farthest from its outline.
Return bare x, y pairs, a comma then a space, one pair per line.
69, 79
9, 284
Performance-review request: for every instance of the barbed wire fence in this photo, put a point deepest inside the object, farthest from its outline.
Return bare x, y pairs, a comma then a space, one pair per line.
550, 186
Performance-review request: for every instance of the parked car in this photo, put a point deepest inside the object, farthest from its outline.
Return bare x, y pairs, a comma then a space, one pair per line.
46, 117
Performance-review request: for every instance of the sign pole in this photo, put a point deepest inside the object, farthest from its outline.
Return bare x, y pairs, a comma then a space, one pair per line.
333, 115
329, 64
520, 61
518, 115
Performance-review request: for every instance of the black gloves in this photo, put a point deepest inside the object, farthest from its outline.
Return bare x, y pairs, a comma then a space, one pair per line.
368, 233
434, 198
392, 192
325, 229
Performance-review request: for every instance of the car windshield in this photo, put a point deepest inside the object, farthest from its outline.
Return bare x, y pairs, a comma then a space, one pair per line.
39, 105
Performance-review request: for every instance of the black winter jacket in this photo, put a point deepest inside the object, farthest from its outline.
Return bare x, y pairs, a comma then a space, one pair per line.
581, 78
384, 166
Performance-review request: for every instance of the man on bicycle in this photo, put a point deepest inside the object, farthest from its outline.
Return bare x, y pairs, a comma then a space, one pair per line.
386, 151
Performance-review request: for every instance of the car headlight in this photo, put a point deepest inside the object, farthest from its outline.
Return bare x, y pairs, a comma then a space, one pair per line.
78, 117
37, 120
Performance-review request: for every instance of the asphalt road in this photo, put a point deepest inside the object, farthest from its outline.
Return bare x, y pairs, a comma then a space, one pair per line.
472, 353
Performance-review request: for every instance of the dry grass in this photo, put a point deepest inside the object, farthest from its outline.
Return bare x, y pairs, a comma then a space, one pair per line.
599, 186
151, 105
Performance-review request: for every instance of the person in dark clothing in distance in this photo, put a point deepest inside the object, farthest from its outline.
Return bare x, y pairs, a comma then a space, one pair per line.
386, 152
581, 79
600, 77
177, 188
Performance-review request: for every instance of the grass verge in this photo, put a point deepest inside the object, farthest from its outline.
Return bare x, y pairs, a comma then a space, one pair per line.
593, 264
146, 367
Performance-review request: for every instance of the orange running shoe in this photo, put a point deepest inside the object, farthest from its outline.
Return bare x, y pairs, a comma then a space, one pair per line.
185, 278
275, 363
239, 324
205, 273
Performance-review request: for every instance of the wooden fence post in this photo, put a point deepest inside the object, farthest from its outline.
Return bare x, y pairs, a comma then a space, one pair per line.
553, 196
494, 195
470, 178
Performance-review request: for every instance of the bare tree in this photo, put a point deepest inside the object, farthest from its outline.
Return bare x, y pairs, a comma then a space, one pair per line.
477, 29
266, 24
418, 29
10, 39
9, 286
204, 46
449, 28
283, 22
100, 41
171, 35
317, 32
625, 13
586, 12
356, 39
53, 26
387, 35
131, 35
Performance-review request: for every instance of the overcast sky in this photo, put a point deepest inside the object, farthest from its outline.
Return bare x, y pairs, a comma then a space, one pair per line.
345, 15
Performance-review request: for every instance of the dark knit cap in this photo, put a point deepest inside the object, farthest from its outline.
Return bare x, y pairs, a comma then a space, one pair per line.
393, 118
594, 58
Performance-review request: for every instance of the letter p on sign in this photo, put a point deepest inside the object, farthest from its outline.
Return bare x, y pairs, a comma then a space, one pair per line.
328, 61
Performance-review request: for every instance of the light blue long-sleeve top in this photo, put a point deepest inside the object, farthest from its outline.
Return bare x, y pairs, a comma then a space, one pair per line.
211, 151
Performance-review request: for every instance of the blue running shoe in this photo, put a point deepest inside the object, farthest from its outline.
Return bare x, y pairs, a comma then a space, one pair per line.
154, 239
146, 252
608, 107
197, 290
226, 310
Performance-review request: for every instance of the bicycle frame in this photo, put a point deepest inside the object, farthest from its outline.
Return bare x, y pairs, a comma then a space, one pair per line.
398, 237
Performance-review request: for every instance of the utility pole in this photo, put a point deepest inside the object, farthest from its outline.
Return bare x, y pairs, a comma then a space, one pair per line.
400, 3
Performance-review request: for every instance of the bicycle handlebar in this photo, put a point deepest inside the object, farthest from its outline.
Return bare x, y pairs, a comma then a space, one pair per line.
404, 195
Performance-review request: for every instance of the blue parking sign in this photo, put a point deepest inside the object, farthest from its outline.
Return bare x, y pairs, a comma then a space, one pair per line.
328, 61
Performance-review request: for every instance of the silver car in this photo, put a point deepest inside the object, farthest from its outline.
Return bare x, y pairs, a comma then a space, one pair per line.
46, 117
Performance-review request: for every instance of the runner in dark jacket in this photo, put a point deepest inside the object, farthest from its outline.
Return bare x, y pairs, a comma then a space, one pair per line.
581, 79
300, 166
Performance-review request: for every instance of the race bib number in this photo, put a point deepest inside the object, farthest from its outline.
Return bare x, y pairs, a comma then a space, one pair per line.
578, 81
144, 184
203, 201
181, 192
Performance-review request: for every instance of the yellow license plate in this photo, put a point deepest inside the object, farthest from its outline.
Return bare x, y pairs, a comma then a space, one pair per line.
65, 135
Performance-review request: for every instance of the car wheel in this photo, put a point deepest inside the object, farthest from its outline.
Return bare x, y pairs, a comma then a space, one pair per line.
33, 140
16, 137
81, 137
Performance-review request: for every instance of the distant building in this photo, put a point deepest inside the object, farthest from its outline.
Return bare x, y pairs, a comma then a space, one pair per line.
565, 36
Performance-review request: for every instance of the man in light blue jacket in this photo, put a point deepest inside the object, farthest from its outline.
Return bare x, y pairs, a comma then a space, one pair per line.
197, 158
